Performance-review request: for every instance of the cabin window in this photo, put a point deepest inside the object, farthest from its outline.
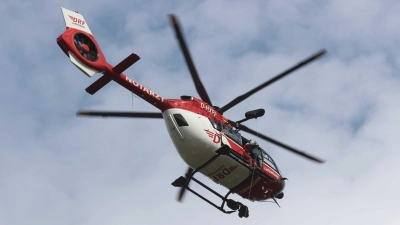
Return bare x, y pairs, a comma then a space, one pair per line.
180, 120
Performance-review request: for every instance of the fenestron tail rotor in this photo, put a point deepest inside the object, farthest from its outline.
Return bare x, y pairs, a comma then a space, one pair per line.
86, 47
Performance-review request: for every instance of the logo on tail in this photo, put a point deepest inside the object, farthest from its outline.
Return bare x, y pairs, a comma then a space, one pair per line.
77, 21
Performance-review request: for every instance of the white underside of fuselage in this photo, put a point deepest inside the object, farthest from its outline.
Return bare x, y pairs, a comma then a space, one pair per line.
197, 143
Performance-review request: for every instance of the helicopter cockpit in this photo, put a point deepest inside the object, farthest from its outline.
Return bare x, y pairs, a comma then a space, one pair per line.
260, 154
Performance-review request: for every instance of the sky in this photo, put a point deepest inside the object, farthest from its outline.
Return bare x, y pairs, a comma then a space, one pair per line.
57, 168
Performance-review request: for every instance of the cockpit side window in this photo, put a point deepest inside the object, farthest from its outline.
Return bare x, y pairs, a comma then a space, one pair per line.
214, 124
180, 120
234, 135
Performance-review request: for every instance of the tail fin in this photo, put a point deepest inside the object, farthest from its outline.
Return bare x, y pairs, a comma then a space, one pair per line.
75, 20
80, 46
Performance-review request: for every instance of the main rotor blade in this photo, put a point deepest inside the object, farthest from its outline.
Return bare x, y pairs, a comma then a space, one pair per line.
183, 189
273, 141
196, 79
279, 76
155, 115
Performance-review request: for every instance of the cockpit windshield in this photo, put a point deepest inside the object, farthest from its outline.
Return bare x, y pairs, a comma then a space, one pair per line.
268, 160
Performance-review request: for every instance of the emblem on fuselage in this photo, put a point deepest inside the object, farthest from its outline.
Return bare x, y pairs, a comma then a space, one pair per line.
221, 173
215, 136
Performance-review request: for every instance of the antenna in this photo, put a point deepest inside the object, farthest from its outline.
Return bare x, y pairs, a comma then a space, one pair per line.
62, 28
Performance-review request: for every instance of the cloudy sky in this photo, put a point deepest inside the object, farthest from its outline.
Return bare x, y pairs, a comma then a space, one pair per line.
56, 168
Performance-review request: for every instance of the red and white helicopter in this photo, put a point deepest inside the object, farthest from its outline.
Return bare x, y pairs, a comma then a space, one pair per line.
208, 142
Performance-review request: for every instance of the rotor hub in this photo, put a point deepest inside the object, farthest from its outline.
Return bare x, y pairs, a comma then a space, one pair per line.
85, 47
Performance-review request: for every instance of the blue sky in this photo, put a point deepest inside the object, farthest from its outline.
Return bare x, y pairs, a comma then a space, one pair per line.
56, 168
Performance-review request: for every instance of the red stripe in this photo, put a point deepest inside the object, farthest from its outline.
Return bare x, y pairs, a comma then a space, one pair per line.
235, 146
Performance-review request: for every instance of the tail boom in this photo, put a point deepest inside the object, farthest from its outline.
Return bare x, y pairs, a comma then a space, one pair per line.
140, 90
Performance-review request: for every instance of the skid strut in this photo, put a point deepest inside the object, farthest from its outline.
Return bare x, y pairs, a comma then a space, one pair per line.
183, 182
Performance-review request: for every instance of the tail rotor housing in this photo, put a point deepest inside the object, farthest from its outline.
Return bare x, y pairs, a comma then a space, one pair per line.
80, 46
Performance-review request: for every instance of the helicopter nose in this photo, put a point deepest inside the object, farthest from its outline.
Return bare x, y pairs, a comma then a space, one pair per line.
283, 183
279, 192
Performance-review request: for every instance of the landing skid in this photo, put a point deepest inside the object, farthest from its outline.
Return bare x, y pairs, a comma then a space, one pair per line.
183, 182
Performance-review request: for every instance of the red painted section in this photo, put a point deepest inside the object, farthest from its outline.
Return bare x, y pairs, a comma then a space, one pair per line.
257, 188
236, 147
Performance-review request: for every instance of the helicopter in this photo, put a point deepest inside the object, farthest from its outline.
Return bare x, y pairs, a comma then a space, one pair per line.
207, 141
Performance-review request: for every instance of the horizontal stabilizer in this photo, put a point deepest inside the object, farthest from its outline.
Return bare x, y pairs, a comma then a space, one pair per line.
118, 69
98, 84
126, 63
